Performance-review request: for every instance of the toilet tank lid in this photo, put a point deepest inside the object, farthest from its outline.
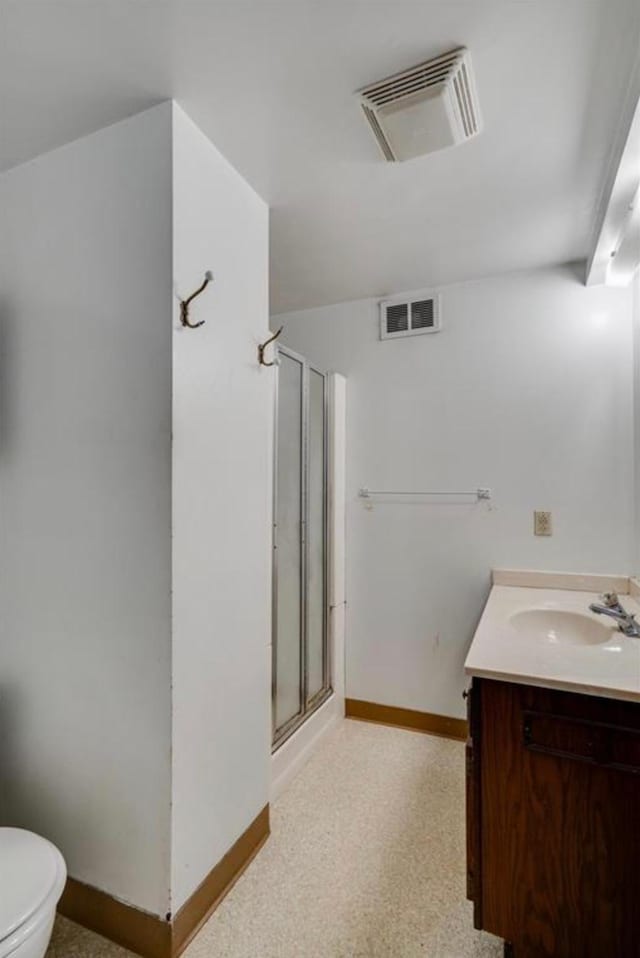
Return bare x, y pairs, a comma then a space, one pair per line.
31, 869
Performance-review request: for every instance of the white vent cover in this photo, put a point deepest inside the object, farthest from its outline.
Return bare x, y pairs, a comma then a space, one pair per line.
429, 107
410, 317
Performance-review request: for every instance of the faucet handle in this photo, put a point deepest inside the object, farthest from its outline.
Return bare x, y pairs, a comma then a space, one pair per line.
610, 600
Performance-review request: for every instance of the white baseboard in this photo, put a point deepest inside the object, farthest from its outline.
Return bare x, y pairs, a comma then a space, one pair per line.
297, 750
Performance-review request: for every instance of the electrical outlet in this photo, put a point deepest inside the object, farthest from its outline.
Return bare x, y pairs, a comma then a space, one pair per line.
542, 524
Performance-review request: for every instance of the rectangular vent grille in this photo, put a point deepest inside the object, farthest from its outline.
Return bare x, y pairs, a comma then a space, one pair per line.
410, 317
418, 78
422, 314
426, 108
398, 318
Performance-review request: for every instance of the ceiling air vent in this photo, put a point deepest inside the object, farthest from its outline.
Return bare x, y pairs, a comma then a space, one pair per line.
409, 317
429, 107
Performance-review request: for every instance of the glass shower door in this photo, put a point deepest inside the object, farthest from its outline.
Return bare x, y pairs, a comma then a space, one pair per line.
300, 646
316, 540
288, 569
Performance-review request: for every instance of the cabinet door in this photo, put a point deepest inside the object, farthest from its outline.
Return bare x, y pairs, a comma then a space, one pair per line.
560, 798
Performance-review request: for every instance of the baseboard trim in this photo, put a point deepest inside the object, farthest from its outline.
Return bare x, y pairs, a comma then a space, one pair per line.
116, 920
218, 883
442, 725
149, 935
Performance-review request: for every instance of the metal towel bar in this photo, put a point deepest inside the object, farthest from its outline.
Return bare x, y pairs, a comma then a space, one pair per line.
478, 494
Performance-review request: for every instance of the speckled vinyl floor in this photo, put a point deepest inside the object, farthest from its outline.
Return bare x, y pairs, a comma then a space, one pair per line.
365, 860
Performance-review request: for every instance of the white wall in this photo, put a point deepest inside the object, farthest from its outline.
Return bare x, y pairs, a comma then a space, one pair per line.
85, 460
222, 421
96, 372
527, 390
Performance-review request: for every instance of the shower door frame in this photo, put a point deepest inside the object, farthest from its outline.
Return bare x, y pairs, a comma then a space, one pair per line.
307, 705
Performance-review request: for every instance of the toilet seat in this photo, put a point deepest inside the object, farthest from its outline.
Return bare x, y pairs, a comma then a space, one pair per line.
32, 876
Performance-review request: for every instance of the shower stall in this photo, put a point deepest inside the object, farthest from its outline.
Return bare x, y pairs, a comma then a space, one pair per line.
301, 676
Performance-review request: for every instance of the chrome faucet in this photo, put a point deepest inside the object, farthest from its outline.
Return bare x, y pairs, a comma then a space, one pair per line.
611, 606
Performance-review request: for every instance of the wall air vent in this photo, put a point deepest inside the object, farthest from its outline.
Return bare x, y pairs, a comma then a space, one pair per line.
410, 317
429, 107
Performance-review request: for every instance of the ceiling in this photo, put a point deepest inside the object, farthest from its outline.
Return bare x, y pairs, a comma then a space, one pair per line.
271, 83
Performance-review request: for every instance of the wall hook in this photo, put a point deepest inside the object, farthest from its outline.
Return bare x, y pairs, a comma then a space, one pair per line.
264, 345
185, 303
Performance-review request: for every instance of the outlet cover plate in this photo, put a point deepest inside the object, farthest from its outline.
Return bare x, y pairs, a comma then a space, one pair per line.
542, 524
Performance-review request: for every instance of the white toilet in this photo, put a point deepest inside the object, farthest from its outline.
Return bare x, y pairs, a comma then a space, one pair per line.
32, 877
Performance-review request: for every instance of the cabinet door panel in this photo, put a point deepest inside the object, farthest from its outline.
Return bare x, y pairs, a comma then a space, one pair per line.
560, 837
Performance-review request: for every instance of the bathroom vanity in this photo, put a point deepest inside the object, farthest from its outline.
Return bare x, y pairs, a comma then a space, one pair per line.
553, 777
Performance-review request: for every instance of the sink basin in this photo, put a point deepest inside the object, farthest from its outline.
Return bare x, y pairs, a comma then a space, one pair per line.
560, 627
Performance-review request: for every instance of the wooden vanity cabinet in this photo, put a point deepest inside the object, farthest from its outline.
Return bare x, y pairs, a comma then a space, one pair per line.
553, 821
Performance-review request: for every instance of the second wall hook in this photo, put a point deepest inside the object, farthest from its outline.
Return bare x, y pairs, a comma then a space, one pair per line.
185, 303
263, 346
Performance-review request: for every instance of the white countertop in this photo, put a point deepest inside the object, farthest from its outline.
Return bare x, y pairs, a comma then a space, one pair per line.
500, 651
